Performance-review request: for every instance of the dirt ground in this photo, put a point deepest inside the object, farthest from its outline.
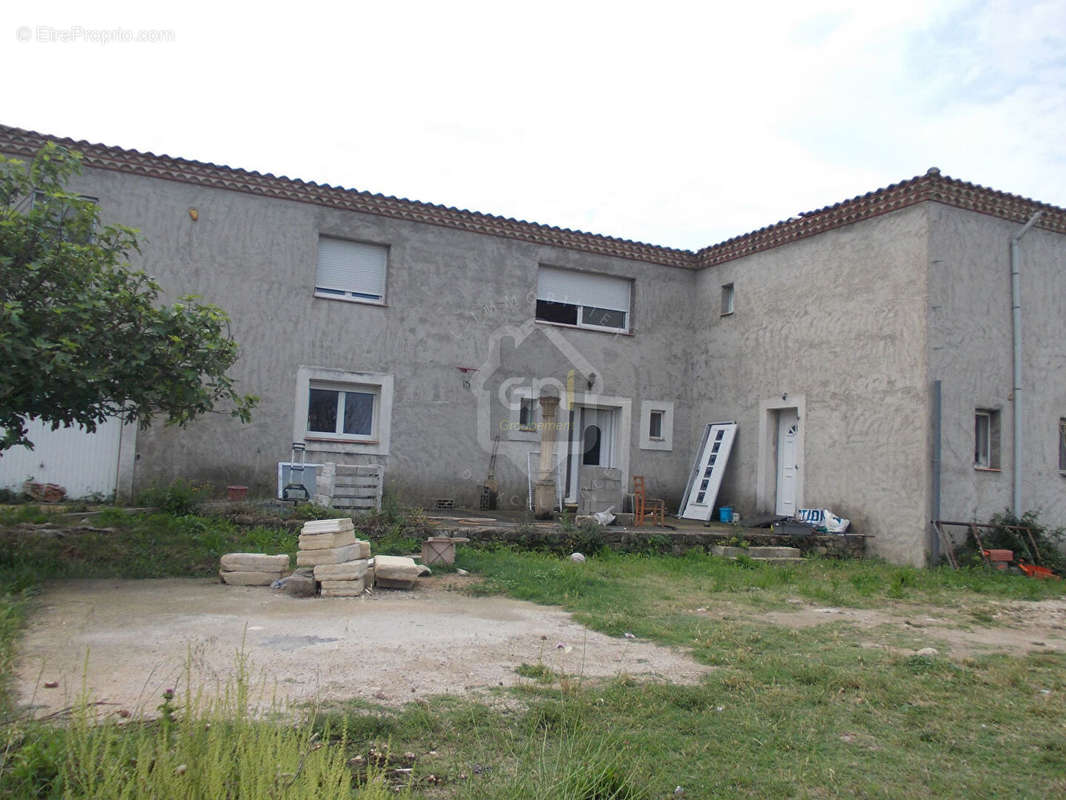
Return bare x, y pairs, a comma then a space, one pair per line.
994, 626
126, 641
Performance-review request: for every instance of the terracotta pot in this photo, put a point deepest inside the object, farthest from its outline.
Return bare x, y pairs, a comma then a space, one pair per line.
236, 492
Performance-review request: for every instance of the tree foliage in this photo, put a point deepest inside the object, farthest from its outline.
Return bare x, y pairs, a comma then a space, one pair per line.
83, 336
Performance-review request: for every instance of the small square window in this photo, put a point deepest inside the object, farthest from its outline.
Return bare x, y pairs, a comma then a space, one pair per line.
1062, 444
986, 437
527, 413
655, 425
727, 299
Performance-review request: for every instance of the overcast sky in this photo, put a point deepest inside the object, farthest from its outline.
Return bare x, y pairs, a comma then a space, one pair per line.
674, 123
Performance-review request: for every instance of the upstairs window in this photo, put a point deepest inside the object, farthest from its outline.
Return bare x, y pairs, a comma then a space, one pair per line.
986, 438
352, 271
728, 296
583, 299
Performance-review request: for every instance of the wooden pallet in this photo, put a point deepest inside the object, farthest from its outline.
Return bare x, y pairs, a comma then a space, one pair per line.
357, 487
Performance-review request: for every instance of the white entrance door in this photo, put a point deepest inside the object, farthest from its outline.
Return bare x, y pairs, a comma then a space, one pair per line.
787, 428
592, 444
82, 463
706, 477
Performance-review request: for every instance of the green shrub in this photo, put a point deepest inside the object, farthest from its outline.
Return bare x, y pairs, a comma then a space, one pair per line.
1006, 536
180, 498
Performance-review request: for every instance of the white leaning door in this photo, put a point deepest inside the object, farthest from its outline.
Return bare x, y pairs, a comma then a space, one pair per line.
82, 463
706, 477
787, 428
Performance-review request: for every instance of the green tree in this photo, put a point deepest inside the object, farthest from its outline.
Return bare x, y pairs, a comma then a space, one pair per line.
82, 335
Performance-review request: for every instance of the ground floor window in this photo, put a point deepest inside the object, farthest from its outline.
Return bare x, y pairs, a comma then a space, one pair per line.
333, 410
986, 438
348, 411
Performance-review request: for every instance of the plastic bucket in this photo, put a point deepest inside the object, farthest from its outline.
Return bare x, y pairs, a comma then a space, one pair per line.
725, 514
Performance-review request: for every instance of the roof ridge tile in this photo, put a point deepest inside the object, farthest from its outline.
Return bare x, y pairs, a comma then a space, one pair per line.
931, 186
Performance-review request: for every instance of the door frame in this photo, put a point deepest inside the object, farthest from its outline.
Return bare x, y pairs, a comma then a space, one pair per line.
766, 466
623, 435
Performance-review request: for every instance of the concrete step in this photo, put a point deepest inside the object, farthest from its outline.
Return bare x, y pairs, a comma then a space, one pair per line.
757, 553
779, 561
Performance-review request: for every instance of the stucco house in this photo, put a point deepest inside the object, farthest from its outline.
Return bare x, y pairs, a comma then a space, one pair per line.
864, 349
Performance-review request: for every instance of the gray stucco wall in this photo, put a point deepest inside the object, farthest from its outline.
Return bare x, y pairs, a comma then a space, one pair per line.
970, 351
448, 293
837, 323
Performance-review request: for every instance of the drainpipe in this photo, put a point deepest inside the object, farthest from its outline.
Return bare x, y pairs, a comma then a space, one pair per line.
934, 540
1016, 308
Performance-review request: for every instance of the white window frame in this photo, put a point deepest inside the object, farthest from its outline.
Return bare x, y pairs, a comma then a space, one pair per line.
376, 383
729, 295
529, 403
582, 308
342, 390
987, 453
352, 295
655, 424
515, 431
666, 440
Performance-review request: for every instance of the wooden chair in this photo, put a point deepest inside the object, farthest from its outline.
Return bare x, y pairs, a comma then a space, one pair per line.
644, 506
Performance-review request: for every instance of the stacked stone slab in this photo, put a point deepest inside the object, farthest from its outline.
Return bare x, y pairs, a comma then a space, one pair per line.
252, 569
397, 572
340, 561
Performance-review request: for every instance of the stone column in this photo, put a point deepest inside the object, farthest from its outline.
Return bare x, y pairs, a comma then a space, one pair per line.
544, 491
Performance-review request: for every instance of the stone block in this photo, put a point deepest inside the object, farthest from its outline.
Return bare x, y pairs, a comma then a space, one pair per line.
255, 562
299, 586
342, 593
321, 541
398, 568
394, 583
349, 571
236, 578
328, 525
358, 585
329, 555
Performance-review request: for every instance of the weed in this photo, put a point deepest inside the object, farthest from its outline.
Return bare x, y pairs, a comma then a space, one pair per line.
1006, 535
537, 672
179, 498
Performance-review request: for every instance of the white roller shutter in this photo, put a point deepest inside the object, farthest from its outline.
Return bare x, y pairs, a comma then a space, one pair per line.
583, 289
351, 267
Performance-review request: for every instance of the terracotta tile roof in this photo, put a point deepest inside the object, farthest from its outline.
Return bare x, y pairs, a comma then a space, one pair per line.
932, 186
929, 187
25, 143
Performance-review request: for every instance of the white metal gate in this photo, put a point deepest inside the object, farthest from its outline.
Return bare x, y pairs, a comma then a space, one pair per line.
82, 463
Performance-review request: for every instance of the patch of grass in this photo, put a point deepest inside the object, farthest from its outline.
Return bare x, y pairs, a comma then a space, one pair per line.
198, 749
180, 498
782, 712
623, 581
536, 672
